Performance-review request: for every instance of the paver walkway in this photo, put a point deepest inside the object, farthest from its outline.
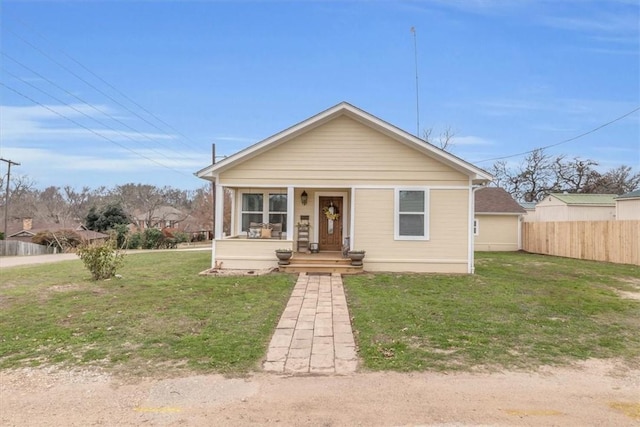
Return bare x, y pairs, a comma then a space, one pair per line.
314, 333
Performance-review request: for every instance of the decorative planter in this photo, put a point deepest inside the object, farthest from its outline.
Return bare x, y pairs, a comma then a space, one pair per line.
284, 257
356, 257
313, 248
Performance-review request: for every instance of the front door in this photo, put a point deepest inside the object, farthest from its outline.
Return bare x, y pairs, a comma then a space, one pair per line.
330, 221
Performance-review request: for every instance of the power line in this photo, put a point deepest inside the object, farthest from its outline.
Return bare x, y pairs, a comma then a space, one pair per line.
566, 140
91, 130
86, 103
96, 88
81, 112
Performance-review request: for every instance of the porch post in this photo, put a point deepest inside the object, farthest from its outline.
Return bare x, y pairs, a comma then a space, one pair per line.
352, 219
219, 212
290, 212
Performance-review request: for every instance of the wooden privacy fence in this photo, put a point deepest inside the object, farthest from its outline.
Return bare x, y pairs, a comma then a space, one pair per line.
16, 247
611, 241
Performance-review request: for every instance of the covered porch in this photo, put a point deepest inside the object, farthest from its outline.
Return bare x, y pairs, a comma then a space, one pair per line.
252, 222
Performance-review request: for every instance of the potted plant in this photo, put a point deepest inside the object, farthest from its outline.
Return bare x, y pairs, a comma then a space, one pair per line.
356, 257
284, 255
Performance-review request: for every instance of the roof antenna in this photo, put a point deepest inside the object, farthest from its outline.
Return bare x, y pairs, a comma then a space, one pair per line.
415, 53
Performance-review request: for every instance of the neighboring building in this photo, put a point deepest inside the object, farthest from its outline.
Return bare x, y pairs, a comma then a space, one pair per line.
576, 207
530, 211
628, 206
163, 217
497, 220
31, 228
356, 180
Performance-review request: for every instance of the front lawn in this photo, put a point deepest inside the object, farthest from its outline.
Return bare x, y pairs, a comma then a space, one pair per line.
160, 317
518, 311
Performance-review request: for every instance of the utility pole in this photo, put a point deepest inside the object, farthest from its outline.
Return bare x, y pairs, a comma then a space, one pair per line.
415, 54
6, 194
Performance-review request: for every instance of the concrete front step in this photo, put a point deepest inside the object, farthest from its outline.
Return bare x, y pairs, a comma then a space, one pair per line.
305, 267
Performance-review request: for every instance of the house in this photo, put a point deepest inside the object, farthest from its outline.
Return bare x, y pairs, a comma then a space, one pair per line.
496, 225
161, 217
576, 207
352, 179
30, 229
530, 211
628, 206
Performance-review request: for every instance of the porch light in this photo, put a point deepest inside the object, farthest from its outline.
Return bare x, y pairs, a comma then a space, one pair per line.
304, 197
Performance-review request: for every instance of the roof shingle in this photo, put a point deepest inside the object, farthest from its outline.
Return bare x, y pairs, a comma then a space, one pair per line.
496, 200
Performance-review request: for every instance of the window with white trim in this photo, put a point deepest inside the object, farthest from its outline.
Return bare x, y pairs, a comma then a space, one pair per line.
411, 214
476, 227
252, 207
263, 208
278, 210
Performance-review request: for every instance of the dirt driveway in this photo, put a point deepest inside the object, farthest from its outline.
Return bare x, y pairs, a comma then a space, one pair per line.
594, 393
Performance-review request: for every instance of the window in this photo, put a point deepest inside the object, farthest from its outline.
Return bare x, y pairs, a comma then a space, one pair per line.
252, 204
476, 227
278, 209
412, 222
254, 209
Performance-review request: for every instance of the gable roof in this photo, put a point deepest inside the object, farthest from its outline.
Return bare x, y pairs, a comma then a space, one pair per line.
632, 195
528, 205
585, 199
496, 200
345, 109
16, 229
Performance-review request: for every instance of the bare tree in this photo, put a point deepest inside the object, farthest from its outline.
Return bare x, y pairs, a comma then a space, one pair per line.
540, 173
53, 206
139, 199
531, 179
444, 140
79, 201
575, 176
22, 196
619, 180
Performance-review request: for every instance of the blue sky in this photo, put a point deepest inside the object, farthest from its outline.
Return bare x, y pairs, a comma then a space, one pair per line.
109, 92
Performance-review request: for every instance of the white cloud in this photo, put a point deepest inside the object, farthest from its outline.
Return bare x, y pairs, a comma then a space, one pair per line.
114, 160
36, 124
470, 140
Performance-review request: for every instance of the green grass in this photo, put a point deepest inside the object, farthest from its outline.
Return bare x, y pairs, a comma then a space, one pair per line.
520, 311
160, 318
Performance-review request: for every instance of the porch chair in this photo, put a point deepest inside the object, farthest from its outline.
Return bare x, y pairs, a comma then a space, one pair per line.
276, 230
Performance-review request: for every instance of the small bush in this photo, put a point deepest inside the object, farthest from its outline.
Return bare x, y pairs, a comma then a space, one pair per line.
135, 241
102, 260
122, 234
181, 237
152, 238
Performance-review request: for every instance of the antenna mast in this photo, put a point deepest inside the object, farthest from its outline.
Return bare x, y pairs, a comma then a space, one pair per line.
415, 54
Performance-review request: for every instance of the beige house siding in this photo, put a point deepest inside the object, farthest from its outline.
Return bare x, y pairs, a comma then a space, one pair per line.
552, 209
497, 233
530, 216
243, 253
342, 153
446, 249
628, 209
574, 213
